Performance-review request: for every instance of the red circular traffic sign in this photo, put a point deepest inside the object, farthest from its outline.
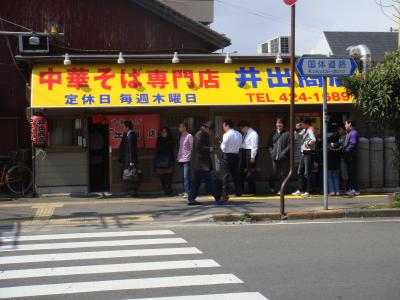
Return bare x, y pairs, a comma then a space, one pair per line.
290, 2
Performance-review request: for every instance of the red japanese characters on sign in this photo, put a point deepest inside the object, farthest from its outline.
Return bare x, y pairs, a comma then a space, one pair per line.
146, 128
104, 77
50, 77
78, 78
157, 78
130, 79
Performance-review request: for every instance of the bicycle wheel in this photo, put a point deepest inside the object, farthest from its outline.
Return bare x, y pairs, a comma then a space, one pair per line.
19, 179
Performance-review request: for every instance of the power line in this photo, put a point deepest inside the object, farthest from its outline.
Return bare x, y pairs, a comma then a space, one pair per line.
263, 15
15, 24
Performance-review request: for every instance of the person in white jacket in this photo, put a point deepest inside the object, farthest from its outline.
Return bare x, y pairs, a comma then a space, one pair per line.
230, 146
305, 132
249, 154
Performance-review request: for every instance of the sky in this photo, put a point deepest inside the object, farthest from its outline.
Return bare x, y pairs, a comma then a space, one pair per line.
250, 22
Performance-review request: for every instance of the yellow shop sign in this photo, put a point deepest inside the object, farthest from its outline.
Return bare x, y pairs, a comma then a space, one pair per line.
175, 85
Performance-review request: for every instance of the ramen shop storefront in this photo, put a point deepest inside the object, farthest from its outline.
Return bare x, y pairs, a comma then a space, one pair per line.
85, 105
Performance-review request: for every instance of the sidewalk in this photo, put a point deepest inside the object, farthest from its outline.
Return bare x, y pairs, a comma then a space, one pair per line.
97, 209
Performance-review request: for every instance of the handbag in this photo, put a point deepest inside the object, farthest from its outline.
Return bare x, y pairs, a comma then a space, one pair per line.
162, 162
131, 175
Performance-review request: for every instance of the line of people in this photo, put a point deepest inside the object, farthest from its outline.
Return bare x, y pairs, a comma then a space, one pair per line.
239, 158
342, 158
240, 150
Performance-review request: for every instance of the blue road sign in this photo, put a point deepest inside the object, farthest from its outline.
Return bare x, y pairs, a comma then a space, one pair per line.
311, 66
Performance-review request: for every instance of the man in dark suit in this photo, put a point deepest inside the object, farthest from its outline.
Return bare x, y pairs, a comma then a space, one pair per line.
202, 165
128, 149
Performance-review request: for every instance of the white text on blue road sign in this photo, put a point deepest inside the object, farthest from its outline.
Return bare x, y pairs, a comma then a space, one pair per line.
312, 66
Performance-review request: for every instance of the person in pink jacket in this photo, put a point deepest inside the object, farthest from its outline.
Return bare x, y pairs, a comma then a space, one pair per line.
185, 155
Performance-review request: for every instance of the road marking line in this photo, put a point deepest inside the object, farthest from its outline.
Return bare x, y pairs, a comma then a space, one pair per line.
109, 268
124, 220
19, 259
231, 296
92, 244
84, 235
116, 285
45, 210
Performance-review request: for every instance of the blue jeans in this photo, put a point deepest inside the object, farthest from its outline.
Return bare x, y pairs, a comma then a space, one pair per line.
186, 177
333, 181
211, 187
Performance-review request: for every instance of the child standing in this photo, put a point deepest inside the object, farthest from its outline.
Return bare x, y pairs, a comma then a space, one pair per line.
334, 156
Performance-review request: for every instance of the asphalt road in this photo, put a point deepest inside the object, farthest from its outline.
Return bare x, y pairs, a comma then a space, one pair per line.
352, 259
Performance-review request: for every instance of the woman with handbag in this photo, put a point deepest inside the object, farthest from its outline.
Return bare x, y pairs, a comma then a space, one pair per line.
164, 159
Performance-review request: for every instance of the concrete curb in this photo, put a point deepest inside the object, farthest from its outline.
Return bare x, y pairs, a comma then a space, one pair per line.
307, 215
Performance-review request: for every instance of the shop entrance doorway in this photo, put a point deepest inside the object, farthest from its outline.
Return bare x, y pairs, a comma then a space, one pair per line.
98, 158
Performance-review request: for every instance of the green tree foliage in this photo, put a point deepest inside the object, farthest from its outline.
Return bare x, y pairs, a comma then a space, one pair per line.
377, 93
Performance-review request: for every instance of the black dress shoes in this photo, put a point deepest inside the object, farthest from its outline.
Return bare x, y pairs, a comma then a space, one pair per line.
194, 203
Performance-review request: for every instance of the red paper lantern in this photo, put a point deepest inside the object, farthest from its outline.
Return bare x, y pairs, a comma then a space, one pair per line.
39, 132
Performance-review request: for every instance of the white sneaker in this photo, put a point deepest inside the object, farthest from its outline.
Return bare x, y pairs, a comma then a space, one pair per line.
185, 196
350, 193
356, 193
297, 193
278, 193
331, 194
337, 194
305, 194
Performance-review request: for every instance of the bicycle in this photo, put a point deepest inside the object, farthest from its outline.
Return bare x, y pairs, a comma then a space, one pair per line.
16, 175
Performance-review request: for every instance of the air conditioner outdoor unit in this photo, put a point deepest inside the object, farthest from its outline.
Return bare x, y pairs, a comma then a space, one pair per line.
275, 46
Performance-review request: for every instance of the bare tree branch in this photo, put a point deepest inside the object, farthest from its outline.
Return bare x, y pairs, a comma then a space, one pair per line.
393, 7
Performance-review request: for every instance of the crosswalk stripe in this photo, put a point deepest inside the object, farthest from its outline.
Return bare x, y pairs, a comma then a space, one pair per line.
68, 236
113, 285
93, 244
109, 268
230, 296
18, 259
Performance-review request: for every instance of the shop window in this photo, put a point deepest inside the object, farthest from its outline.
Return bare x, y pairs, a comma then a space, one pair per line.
66, 133
194, 122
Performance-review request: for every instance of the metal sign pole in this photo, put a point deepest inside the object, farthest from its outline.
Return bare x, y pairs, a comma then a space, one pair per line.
325, 140
292, 90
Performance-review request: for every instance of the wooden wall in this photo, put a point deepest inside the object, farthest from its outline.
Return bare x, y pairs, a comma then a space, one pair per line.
90, 27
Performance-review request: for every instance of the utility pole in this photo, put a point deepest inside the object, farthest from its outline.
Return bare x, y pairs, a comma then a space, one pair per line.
292, 90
